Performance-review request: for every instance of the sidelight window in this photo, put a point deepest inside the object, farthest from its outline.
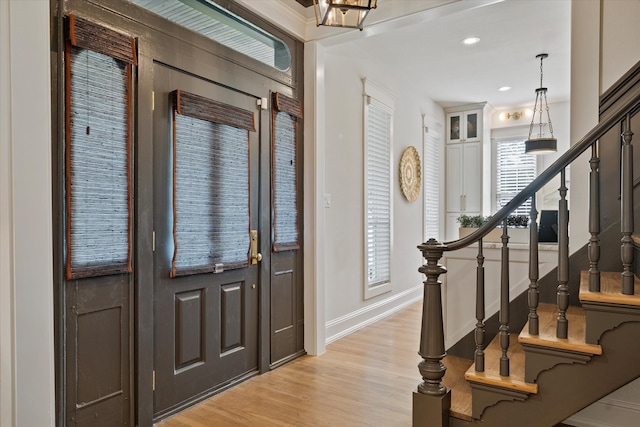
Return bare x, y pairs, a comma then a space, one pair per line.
98, 150
285, 115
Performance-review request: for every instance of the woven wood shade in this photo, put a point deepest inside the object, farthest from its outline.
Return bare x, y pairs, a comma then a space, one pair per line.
285, 114
98, 152
87, 34
210, 185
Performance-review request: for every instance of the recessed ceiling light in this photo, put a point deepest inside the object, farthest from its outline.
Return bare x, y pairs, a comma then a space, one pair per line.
504, 88
471, 40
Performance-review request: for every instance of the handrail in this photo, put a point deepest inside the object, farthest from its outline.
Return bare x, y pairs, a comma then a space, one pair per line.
562, 162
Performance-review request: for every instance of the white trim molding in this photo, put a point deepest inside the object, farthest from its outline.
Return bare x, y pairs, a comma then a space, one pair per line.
26, 293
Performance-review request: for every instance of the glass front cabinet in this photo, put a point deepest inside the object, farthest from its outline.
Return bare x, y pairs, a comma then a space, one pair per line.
464, 126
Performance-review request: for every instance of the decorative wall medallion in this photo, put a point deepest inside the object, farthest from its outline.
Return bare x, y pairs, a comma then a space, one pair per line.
410, 173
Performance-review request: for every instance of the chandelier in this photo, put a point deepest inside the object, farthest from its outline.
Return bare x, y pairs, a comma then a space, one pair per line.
342, 13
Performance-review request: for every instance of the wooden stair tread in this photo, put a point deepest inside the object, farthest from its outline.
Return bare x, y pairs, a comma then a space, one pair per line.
636, 238
491, 374
575, 341
460, 389
610, 290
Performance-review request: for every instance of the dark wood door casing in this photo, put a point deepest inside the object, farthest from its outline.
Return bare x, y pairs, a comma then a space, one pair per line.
160, 42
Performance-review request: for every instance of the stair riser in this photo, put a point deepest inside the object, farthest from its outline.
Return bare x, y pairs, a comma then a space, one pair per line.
485, 396
540, 359
602, 317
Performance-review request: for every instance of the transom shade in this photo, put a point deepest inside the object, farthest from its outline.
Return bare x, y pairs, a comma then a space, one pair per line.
342, 13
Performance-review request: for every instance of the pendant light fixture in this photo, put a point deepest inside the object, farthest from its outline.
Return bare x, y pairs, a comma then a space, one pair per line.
342, 13
541, 143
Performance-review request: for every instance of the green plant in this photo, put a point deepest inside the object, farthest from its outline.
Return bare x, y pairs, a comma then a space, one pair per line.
519, 221
477, 221
474, 221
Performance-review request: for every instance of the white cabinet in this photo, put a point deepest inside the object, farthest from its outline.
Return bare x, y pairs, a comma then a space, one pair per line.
464, 126
464, 147
464, 178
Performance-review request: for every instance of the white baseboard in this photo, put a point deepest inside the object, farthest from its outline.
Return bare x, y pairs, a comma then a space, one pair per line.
351, 322
607, 412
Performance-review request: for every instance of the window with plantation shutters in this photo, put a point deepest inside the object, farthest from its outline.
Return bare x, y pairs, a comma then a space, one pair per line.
378, 196
98, 64
514, 171
210, 185
285, 114
431, 174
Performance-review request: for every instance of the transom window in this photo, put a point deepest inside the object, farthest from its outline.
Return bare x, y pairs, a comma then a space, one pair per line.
224, 27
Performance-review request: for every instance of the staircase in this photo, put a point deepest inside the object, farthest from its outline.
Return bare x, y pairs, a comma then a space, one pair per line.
566, 356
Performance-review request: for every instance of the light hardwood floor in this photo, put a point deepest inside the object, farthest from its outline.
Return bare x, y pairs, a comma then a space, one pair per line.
364, 379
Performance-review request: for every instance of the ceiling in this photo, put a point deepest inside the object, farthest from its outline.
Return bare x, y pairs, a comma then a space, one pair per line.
429, 52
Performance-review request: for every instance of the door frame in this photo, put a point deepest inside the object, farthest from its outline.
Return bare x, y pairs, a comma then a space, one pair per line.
153, 36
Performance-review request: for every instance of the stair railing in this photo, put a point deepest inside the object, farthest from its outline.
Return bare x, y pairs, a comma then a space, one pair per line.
432, 396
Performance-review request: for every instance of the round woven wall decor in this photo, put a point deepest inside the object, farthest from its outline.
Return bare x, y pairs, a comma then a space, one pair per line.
410, 173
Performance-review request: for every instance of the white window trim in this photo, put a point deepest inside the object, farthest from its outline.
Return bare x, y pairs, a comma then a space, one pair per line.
372, 90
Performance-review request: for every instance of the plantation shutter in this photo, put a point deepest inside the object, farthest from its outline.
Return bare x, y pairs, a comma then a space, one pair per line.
378, 193
285, 114
210, 185
98, 64
514, 171
431, 175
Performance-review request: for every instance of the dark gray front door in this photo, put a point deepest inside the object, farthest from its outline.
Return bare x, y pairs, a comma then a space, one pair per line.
206, 324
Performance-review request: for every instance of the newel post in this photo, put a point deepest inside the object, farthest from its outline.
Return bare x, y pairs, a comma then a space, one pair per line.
432, 400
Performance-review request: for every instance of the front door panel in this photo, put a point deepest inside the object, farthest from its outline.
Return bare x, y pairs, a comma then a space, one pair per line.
206, 324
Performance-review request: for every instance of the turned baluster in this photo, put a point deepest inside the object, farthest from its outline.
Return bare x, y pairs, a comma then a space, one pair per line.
504, 303
533, 294
594, 219
563, 260
626, 209
480, 330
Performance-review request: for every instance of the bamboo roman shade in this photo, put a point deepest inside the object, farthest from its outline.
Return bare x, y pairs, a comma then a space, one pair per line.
211, 217
98, 66
285, 114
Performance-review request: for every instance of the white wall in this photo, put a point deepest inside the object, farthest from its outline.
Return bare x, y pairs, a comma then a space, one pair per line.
344, 246
605, 44
26, 274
